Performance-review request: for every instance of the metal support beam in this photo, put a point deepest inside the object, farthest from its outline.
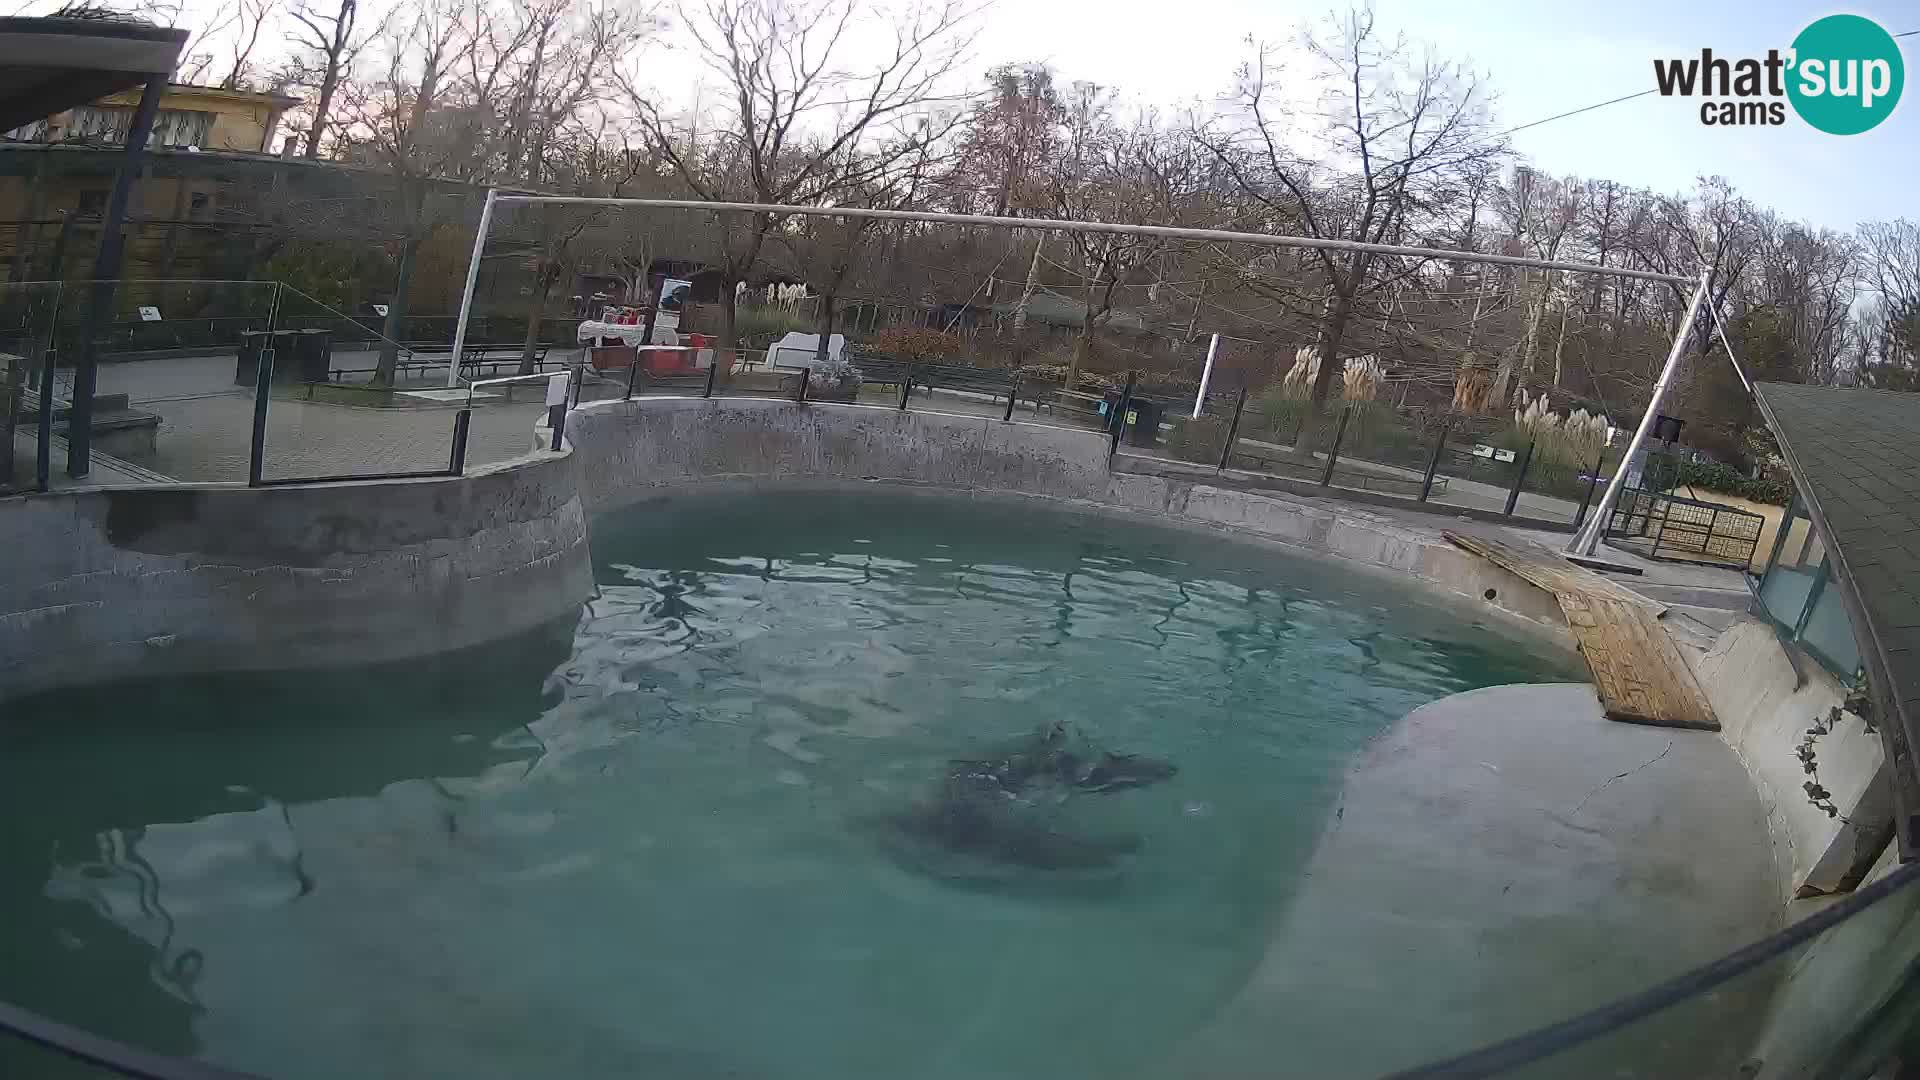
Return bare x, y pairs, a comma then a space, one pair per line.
466, 294
1519, 479
1587, 540
106, 273
1206, 376
1433, 461
1166, 232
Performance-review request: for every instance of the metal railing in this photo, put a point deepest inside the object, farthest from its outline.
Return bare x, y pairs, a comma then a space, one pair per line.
1659, 525
1468, 464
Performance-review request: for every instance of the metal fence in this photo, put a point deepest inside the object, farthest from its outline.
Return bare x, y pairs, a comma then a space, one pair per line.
1659, 525
1475, 465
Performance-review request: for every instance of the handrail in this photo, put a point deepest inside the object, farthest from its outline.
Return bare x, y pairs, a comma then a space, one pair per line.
505, 379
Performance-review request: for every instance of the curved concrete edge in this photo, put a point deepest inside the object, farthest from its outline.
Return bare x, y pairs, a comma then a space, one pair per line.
110, 583
1766, 707
644, 447
1503, 859
106, 584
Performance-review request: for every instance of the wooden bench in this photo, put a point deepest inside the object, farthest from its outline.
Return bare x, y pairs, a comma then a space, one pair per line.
476, 363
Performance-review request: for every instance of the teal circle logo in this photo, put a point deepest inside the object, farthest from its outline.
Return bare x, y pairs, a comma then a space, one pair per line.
1846, 75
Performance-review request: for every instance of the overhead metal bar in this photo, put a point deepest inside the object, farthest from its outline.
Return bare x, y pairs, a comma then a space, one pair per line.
1169, 232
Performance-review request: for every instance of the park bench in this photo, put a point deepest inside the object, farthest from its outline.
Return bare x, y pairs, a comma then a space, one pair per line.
477, 362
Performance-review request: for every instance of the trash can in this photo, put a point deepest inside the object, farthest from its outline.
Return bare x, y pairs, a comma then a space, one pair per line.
312, 358
1143, 422
284, 344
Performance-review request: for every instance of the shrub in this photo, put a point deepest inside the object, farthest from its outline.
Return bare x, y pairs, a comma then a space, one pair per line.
1198, 440
917, 343
760, 326
1717, 476
837, 378
1275, 415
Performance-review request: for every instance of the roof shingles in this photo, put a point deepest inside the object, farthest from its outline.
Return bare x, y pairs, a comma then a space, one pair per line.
1856, 455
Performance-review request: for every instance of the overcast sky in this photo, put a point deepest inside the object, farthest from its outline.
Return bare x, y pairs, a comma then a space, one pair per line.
1543, 58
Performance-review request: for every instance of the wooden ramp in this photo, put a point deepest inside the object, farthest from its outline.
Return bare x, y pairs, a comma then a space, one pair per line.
1641, 676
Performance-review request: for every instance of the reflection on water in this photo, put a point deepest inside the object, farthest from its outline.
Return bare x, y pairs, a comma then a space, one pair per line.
646, 844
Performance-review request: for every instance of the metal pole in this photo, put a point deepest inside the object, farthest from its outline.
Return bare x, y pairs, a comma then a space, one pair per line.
659, 285
1593, 481
1433, 463
1206, 375
1666, 509
1333, 452
43, 456
1519, 478
461, 421
106, 272
1012, 393
1046, 224
633, 372
806, 373
1233, 430
906, 388
466, 294
262, 387
713, 366
1119, 417
1587, 540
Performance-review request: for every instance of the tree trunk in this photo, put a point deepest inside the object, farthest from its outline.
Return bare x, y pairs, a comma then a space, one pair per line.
534, 317
1020, 356
729, 330
1331, 333
322, 107
1083, 344
823, 329
1560, 350
396, 312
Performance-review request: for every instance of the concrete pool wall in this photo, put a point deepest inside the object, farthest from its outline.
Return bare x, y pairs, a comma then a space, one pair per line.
647, 447
116, 582
104, 584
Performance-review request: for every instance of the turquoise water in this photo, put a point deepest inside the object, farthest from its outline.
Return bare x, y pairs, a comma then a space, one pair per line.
676, 838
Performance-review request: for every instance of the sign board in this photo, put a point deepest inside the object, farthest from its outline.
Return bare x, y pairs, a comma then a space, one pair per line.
1491, 453
380, 310
149, 313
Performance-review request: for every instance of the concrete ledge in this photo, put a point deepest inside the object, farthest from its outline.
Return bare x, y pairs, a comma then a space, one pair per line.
632, 449
1502, 859
105, 584
1765, 710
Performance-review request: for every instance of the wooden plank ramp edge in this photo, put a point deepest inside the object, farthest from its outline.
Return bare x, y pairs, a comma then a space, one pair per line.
1638, 671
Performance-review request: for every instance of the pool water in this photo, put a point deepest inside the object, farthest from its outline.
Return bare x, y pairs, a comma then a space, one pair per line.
691, 834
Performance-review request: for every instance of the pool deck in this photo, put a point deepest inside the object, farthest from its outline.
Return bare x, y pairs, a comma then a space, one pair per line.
1501, 859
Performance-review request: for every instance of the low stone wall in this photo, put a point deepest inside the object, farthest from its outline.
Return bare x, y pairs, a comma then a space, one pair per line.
105, 584
633, 449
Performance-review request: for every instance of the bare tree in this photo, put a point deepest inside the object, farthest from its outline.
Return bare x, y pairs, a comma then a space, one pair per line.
1395, 134
795, 117
417, 128
329, 43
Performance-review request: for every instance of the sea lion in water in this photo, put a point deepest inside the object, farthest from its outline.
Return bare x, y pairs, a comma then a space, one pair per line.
1001, 809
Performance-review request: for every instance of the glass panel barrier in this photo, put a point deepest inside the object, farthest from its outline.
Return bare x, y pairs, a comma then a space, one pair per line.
27, 314
174, 385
